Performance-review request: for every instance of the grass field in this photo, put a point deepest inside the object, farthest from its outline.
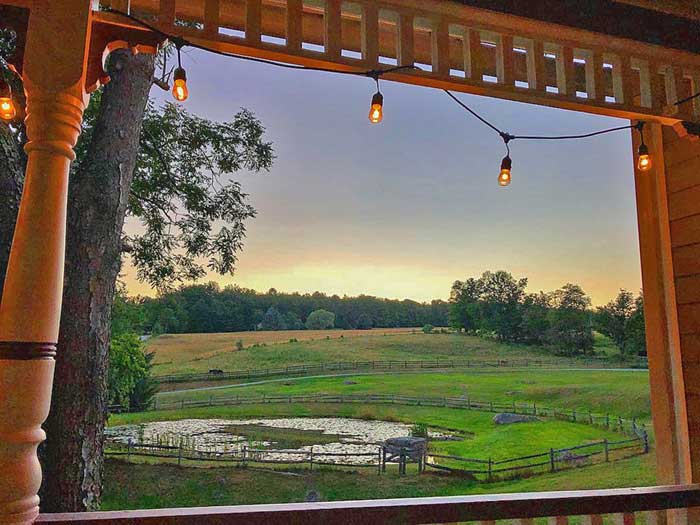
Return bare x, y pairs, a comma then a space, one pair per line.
130, 486
618, 392
189, 353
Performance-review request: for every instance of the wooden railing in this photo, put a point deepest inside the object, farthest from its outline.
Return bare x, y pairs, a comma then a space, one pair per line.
455, 46
626, 506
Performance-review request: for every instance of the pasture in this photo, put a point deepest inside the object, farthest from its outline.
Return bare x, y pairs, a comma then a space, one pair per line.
151, 483
191, 353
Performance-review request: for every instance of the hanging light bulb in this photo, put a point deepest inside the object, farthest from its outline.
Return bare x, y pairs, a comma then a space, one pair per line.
180, 91
644, 159
504, 176
8, 112
375, 110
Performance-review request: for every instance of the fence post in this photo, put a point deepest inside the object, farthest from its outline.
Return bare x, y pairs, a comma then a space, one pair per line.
534, 409
211, 400
590, 417
491, 405
128, 450
607, 421
182, 403
646, 442
607, 451
552, 466
514, 409
179, 453
383, 459
379, 461
573, 415
490, 469
311, 458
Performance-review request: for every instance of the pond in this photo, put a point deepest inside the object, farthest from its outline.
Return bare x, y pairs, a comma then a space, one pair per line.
329, 435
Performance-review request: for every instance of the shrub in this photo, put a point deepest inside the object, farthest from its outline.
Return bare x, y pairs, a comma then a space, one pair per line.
428, 329
419, 430
239, 345
320, 320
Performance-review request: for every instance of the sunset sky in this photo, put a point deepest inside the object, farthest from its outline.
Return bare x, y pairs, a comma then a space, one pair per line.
403, 208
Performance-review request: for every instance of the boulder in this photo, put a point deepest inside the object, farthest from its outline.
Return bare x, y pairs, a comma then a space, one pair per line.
509, 419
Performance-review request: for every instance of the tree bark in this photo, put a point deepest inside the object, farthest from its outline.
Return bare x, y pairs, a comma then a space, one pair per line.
97, 203
11, 180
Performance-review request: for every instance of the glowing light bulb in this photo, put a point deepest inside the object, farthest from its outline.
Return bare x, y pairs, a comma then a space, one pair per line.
644, 160
504, 176
8, 111
375, 110
180, 91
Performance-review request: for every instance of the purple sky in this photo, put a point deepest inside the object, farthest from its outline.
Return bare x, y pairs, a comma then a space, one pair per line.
403, 208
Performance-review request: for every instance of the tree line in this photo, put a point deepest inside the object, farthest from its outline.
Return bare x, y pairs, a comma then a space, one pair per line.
206, 308
497, 305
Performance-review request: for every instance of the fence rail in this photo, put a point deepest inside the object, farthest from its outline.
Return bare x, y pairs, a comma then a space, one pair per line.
439, 364
548, 461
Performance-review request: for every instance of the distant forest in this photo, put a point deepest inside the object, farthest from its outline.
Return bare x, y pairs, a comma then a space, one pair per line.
207, 308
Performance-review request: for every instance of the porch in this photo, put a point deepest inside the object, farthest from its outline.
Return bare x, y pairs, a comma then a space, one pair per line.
513, 55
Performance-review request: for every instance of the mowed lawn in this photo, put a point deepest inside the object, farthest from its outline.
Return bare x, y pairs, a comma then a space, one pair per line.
189, 353
129, 486
617, 392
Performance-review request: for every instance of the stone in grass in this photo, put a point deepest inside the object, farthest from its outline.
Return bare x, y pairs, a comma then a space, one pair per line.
508, 419
349, 382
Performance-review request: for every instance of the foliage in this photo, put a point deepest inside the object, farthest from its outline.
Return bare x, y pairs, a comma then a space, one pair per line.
145, 389
273, 320
207, 308
181, 191
128, 366
419, 430
239, 345
622, 320
497, 305
428, 329
320, 320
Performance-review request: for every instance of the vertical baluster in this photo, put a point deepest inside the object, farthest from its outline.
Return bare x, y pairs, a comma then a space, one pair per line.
211, 17
504, 60
294, 21
252, 20
441, 48
625, 84
624, 519
566, 79
595, 76
536, 71
592, 519
657, 88
333, 28
645, 98
476, 59
166, 14
558, 520
406, 53
370, 33
695, 84
673, 80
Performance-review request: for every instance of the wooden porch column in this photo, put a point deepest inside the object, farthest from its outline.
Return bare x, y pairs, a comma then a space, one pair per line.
668, 207
53, 75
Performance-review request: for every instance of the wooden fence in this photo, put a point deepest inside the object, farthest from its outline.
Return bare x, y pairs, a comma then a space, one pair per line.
354, 366
637, 441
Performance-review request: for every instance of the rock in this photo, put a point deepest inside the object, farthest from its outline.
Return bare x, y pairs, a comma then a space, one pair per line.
508, 419
348, 382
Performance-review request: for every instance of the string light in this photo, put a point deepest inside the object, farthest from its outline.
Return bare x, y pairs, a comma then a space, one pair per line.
643, 158
180, 91
376, 108
8, 111
376, 112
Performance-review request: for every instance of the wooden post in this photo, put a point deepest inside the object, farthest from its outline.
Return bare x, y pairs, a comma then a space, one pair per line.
311, 458
179, 452
607, 450
552, 466
379, 461
490, 469
31, 303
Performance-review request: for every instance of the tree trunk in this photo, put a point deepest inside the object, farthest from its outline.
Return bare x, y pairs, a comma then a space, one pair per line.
11, 178
97, 203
